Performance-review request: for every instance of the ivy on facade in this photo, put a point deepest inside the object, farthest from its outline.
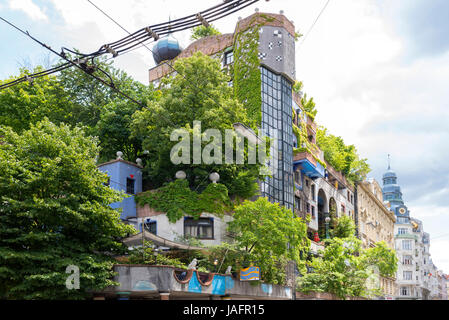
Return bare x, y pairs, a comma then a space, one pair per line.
178, 200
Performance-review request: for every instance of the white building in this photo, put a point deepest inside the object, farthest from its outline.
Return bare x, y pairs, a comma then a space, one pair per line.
417, 276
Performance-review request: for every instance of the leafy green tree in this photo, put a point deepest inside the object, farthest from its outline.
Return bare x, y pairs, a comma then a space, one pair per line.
338, 270
345, 228
383, 257
55, 212
342, 157
309, 106
198, 92
202, 31
73, 97
25, 103
344, 268
270, 235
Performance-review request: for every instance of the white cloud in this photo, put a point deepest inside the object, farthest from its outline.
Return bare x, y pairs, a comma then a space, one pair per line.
30, 8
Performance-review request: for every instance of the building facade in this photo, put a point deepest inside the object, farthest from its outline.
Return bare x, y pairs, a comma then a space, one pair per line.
302, 180
417, 276
375, 223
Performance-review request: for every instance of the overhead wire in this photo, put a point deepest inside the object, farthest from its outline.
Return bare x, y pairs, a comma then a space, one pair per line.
313, 25
117, 47
164, 62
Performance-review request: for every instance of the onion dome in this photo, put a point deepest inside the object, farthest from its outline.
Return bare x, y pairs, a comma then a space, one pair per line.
391, 188
166, 48
389, 174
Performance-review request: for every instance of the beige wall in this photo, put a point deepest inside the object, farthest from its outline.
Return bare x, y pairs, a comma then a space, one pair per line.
376, 222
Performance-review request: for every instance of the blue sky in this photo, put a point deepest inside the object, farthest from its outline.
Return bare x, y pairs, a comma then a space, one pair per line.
378, 71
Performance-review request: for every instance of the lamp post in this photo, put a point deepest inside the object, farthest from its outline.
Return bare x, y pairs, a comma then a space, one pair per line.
327, 220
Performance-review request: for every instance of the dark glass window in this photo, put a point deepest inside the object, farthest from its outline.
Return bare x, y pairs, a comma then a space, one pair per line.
298, 203
130, 185
228, 58
150, 226
203, 228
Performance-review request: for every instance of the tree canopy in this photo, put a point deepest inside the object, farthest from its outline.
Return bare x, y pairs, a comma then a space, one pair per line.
202, 31
271, 235
345, 269
75, 98
55, 212
199, 91
342, 157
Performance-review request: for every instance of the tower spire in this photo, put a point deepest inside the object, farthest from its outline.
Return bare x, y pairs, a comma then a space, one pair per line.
389, 162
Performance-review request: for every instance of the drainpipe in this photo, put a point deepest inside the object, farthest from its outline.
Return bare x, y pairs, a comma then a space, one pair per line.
356, 209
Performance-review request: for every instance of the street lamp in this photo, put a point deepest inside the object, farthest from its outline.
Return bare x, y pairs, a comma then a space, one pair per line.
327, 220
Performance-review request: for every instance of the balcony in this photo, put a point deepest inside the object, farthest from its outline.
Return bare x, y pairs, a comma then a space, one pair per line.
309, 165
406, 236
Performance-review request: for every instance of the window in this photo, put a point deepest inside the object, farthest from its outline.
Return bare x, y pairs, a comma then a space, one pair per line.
308, 208
406, 245
408, 275
203, 228
402, 231
130, 186
407, 260
298, 177
343, 208
404, 291
403, 220
298, 203
228, 58
313, 211
150, 226
313, 192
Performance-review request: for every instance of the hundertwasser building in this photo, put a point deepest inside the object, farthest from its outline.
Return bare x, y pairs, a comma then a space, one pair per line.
303, 181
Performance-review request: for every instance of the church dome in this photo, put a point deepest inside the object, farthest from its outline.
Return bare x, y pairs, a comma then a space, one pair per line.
166, 49
391, 188
389, 174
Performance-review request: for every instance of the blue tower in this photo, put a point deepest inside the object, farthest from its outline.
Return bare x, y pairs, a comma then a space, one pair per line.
392, 193
127, 177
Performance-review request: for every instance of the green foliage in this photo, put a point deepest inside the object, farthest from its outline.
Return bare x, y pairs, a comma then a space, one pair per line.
270, 235
342, 157
75, 98
309, 106
178, 200
383, 257
298, 86
55, 212
202, 31
25, 104
298, 35
176, 258
345, 269
247, 79
345, 228
198, 92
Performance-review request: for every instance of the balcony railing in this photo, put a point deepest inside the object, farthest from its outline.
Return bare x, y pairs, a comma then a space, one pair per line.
309, 165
